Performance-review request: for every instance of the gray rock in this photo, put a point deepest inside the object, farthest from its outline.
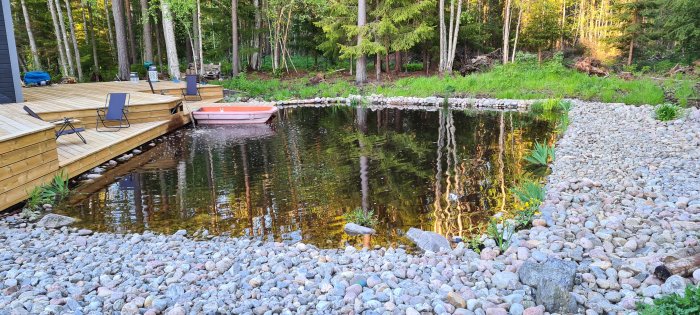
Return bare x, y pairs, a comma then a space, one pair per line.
55, 221
674, 284
553, 281
356, 229
503, 279
427, 241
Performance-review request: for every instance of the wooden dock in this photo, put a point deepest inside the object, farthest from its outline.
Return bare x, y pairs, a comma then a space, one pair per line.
30, 155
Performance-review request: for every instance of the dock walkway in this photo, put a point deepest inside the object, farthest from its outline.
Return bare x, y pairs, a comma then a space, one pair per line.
30, 155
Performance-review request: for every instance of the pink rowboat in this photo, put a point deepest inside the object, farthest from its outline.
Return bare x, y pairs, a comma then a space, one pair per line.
227, 115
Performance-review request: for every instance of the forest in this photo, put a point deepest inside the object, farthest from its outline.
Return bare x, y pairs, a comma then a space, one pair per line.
97, 40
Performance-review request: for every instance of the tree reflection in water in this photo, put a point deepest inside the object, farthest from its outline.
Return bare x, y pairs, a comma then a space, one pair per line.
440, 170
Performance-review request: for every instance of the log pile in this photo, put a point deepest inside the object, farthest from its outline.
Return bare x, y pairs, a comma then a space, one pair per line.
591, 66
681, 69
476, 64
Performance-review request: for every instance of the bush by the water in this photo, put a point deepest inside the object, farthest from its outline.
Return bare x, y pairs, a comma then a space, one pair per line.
666, 112
361, 217
674, 304
541, 154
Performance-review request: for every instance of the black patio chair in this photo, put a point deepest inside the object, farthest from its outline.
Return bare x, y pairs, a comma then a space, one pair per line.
66, 124
114, 111
191, 88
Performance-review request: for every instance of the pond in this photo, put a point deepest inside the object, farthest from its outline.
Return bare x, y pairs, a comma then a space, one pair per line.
292, 180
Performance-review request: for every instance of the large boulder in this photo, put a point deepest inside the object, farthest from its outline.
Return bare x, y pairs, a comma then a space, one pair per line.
427, 241
356, 229
553, 281
55, 221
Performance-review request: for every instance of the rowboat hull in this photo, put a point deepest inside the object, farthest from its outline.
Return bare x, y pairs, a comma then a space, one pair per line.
233, 115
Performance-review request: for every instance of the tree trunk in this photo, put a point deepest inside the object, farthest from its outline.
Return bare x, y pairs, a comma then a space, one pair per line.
64, 36
122, 46
443, 43
109, 29
683, 267
630, 54
95, 60
453, 35
200, 52
361, 65
170, 46
563, 25
506, 32
378, 67
147, 38
235, 66
59, 42
159, 55
32, 43
517, 33
78, 66
539, 55
397, 62
130, 32
255, 57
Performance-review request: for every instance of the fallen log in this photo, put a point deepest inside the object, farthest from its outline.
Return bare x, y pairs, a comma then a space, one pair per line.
590, 66
683, 267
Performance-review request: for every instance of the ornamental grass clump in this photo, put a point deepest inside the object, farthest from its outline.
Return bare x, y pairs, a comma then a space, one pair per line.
541, 154
361, 217
674, 304
666, 112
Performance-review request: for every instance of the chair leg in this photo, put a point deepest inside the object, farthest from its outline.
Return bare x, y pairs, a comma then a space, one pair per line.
77, 132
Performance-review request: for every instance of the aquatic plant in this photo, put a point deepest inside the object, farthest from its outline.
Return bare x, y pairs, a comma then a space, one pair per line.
58, 189
666, 112
541, 154
53, 192
529, 192
361, 217
501, 232
524, 213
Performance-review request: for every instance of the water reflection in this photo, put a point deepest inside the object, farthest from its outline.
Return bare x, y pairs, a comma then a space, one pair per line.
437, 170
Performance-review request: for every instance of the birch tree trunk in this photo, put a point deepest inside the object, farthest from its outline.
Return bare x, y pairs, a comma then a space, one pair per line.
91, 26
517, 33
170, 46
59, 42
64, 36
32, 43
234, 38
506, 32
443, 44
122, 45
361, 64
199, 37
78, 66
453, 35
109, 29
255, 57
130, 32
159, 55
146, 27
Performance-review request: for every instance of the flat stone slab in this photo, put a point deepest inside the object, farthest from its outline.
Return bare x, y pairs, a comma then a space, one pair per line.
55, 221
428, 241
356, 229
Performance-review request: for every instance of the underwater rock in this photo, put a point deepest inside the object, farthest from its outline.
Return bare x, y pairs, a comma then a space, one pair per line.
356, 229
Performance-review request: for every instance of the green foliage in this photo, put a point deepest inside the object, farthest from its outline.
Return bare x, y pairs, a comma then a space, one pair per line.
361, 217
529, 192
666, 112
55, 191
475, 244
674, 304
541, 154
501, 232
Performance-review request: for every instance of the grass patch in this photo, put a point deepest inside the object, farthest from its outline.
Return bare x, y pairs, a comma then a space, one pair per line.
523, 80
666, 112
674, 304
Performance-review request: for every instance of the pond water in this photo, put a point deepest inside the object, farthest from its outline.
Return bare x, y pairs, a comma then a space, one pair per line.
292, 180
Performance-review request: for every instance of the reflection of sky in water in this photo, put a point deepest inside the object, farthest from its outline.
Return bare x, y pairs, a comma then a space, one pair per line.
292, 180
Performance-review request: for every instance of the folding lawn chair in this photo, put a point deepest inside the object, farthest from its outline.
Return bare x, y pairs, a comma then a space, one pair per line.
191, 88
114, 111
65, 124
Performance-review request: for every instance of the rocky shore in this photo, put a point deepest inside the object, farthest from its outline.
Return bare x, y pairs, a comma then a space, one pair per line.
623, 195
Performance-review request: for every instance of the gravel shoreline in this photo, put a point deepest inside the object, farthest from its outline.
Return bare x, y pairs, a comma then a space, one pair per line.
622, 196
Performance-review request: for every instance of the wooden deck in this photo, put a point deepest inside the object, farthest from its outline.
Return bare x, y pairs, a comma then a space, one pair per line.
30, 155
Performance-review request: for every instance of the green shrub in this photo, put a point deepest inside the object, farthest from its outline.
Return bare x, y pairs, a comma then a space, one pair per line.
550, 105
359, 216
674, 304
529, 192
666, 112
501, 232
541, 154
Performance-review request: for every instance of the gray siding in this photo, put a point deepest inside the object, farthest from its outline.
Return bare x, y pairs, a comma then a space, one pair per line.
10, 87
